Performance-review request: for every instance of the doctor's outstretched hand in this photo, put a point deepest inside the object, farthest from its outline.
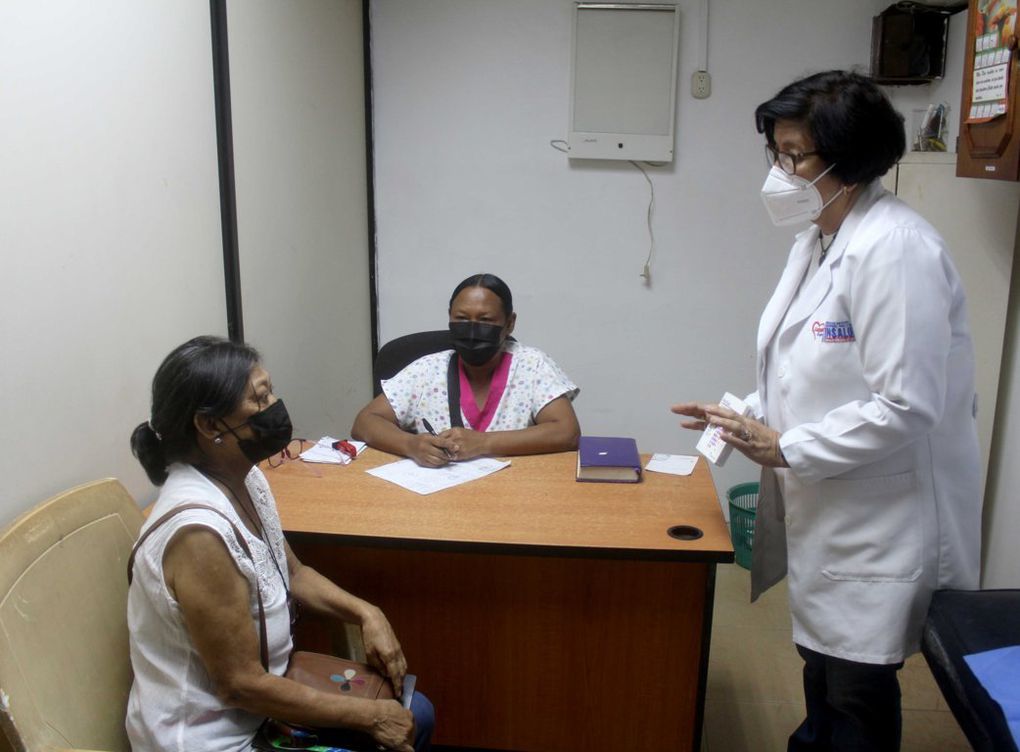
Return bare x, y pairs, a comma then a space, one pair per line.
752, 438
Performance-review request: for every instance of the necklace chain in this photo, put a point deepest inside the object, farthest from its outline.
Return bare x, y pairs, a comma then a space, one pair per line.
256, 520
825, 248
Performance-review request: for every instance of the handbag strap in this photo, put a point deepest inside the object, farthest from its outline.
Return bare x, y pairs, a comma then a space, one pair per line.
263, 639
453, 391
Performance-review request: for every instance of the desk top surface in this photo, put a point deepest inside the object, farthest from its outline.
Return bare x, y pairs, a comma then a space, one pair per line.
534, 505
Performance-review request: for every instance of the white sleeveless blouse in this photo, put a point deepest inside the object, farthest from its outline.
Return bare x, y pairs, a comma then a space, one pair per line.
173, 704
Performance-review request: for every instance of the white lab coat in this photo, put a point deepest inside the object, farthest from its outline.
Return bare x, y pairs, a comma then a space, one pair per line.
873, 393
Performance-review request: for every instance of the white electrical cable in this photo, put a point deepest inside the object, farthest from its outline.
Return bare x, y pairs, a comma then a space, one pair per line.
646, 271
703, 41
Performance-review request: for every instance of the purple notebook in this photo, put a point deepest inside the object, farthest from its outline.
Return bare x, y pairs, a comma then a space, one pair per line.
608, 459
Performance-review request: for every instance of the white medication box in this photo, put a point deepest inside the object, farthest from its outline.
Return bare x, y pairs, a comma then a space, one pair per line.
711, 443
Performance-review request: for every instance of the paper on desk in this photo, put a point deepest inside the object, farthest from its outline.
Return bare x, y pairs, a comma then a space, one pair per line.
323, 451
426, 480
674, 464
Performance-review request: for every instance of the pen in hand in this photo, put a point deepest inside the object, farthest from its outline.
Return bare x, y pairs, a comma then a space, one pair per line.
432, 431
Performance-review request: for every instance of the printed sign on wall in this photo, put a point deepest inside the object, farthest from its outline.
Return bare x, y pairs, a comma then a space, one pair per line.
993, 38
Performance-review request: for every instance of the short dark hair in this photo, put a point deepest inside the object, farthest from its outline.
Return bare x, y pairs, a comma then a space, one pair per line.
853, 124
206, 375
490, 282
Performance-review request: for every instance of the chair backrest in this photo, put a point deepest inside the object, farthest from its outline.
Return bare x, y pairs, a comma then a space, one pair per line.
65, 667
400, 352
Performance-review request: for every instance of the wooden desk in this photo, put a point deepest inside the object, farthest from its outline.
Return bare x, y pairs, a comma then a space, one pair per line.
539, 613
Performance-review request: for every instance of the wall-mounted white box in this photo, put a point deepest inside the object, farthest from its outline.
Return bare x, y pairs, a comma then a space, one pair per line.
623, 81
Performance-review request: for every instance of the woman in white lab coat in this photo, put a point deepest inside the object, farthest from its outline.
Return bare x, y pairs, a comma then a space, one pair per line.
864, 415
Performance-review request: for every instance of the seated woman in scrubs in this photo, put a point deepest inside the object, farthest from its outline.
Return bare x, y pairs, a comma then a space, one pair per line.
513, 399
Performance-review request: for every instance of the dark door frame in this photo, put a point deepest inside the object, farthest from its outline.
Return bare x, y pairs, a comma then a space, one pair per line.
225, 159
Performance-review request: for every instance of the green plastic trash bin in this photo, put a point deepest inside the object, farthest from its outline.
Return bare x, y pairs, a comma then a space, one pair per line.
743, 499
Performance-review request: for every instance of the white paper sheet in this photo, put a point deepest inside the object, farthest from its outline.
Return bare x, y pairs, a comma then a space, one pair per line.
674, 464
426, 480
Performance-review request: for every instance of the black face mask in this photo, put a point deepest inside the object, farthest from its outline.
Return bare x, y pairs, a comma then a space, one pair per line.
272, 429
475, 342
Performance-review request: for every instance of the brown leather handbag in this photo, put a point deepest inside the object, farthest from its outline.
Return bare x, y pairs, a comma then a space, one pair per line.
328, 673
325, 673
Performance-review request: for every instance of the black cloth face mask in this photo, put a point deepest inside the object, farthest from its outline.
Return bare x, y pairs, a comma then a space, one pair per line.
272, 429
476, 342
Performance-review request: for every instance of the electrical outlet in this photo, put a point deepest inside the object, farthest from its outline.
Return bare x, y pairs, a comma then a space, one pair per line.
701, 85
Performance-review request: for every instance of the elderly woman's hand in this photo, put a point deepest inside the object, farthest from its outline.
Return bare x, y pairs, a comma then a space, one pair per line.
382, 649
754, 439
393, 727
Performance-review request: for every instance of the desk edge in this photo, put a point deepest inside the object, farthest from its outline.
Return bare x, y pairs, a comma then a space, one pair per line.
516, 549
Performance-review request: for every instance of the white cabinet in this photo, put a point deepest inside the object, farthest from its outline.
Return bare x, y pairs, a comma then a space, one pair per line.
978, 219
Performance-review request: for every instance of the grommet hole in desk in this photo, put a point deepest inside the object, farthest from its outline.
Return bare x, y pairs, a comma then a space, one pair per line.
684, 532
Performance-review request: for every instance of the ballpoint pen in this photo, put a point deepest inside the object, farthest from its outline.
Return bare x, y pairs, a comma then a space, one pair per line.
432, 431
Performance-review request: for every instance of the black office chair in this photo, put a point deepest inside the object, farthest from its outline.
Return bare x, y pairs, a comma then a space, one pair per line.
961, 622
400, 352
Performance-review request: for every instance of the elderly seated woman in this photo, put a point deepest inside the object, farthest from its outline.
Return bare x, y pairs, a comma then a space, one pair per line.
202, 577
513, 399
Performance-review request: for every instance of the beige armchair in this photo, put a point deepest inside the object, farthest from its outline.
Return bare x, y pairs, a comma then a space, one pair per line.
65, 669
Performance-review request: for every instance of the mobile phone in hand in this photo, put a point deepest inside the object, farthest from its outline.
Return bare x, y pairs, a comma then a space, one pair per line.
408, 690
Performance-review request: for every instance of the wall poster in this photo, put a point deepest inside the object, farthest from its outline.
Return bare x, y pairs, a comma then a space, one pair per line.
994, 45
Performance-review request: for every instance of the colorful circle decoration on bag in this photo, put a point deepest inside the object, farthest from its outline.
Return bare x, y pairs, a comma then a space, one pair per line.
346, 679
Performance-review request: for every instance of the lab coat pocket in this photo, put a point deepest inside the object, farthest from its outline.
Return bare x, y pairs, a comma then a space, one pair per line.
875, 531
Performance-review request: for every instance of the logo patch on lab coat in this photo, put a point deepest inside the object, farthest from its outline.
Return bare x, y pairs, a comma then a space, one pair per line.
833, 331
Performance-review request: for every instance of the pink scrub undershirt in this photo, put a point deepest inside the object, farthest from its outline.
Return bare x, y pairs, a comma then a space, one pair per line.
479, 420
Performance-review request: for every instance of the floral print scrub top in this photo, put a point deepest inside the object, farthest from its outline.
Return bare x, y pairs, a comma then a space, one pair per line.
419, 391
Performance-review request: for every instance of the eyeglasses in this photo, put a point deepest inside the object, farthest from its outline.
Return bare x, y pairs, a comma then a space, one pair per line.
787, 162
290, 452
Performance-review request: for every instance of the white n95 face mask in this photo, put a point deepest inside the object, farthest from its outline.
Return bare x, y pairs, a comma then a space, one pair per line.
790, 199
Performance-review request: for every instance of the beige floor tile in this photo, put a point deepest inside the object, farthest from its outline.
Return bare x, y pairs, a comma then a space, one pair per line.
765, 727
928, 730
753, 665
920, 692
734, 609
750, 726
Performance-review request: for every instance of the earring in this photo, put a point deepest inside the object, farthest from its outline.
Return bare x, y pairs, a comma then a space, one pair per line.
218, 440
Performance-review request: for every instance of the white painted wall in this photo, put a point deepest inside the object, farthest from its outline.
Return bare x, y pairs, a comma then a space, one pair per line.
109, 229
974, 217
297, 82
1002, 499
468, 94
